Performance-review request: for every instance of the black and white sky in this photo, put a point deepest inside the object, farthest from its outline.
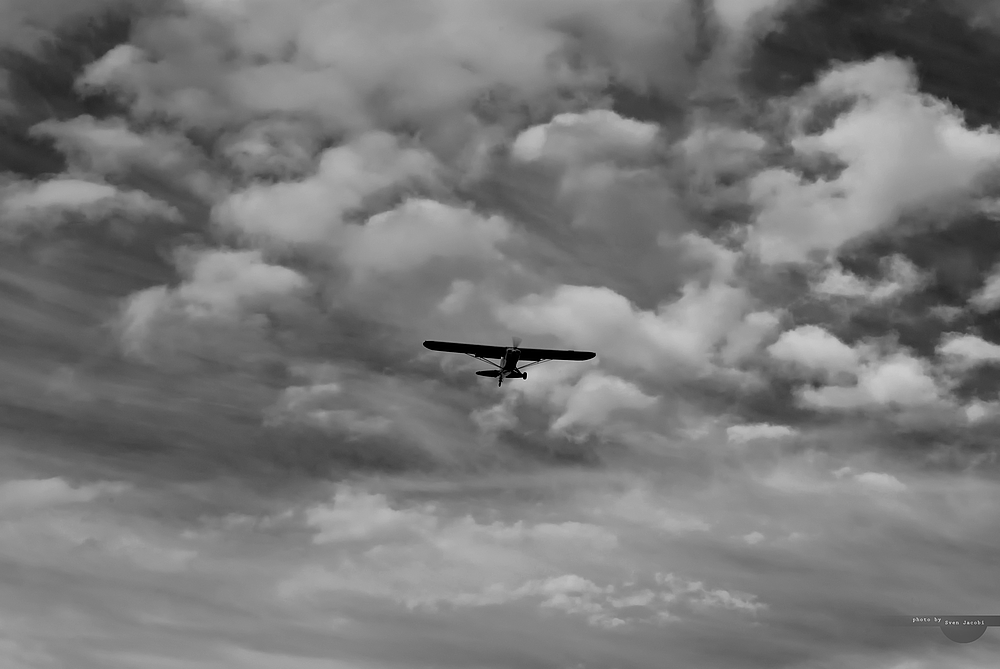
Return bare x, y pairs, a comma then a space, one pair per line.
226, 226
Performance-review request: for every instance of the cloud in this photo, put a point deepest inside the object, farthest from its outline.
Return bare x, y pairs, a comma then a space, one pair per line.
579, 404
312, 211
62, 201
30, 25
430, 558
814, 348
744, 433
111, 149
572, 139
224, 294
324, 406
300, 57
29, 494
866, 375
988, 296
744, 340
897, 380
679, 335
596, 396
887, 172
703, 597
421, 231
901, 278
880, 481
968, 350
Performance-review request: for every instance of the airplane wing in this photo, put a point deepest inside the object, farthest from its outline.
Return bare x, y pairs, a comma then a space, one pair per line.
539, 354
478, 350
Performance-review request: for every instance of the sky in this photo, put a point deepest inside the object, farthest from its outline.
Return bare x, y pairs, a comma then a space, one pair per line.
226, 226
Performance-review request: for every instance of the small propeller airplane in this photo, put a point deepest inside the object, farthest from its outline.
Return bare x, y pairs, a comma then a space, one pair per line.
509, 357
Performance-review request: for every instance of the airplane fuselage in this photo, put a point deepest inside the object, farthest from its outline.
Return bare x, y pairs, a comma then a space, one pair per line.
508, 366
510, 360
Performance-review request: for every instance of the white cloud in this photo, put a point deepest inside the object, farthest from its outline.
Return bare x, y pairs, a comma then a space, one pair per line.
699, 595
595, 397
679, 335
55, 202
902, 277
978, 411
354, 515
222, 288
902, 150
750, 432
987, 298
354, 66
573, 139
419, 556
275, 148
814, 348
753, 538
896, 380
420, 231
311, 211
968, 350
109, 148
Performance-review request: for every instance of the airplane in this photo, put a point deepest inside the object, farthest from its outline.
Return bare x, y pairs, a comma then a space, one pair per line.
509, 356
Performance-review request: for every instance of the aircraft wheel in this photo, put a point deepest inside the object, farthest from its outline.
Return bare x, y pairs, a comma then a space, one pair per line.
524, 376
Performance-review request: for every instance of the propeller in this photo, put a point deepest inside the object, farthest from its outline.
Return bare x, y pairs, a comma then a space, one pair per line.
517, 341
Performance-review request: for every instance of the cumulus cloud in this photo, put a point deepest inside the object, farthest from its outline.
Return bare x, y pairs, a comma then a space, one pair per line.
813, 348
987, 297
901, 278
432, 558
969, 350
595, 397
679, 335
866, 375
111, 149
897, 380
901, 151
422, 231
312, 211
223, 292
750, 432
302, 57
580, 403
62, 201
578, 138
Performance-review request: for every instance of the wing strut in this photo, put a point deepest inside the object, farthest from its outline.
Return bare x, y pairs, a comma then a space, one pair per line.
484, 360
